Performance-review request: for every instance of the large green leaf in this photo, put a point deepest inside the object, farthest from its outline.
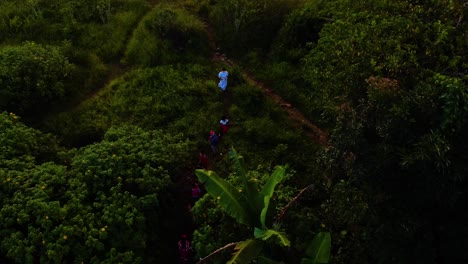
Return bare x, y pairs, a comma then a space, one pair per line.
246, 251
268, 189
227, 195
266, 234
254, 197
318, 251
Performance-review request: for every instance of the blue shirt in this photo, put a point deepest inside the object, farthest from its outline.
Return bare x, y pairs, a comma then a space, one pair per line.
223, 76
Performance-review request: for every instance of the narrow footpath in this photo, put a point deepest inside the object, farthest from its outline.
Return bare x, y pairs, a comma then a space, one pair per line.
299, 120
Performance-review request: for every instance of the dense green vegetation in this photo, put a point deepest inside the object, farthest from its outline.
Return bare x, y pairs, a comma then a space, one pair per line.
32, 75
249, 205
168, 35
105, 104
98, 204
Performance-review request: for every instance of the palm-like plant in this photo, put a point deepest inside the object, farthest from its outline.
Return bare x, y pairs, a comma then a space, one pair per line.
249, 208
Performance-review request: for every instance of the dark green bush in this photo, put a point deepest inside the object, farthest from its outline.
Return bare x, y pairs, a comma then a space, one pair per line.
31, 76
241, 25
301, 27
166, 35
108, 40
100, 208
18, 141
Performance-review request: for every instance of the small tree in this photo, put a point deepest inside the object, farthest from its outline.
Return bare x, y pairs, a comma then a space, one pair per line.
250, 207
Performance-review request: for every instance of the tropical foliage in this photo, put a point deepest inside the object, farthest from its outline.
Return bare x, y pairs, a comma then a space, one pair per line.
386, 78
82, 81
249, 206
97, 206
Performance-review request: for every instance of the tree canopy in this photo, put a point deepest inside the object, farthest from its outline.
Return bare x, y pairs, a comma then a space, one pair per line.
31, 75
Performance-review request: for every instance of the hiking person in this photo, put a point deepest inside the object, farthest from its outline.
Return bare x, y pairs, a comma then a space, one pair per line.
223, 125
196, 193
184, 249
213, 139
203, 160
223, 78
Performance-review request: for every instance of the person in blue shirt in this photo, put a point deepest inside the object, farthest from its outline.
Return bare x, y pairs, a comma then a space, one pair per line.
223, 79
213, 139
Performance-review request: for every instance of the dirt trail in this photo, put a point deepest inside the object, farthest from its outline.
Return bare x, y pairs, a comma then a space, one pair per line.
299, 120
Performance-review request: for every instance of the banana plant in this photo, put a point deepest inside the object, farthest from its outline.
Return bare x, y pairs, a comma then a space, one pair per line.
318, 251
248, 207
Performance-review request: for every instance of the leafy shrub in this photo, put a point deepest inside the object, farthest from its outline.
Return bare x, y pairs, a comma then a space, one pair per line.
20, 141
31, 76
21, 20
108, 40
301, 27
243, 24
167, 35
102, 207
102, 26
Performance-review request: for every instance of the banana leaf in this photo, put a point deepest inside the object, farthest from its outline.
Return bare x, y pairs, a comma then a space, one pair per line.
246, 251
253, 195
227, 195
279, 237
318, 252
268, 189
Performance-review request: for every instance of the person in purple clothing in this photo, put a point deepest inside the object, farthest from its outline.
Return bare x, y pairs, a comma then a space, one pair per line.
184, 249
203, 160
196, 193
